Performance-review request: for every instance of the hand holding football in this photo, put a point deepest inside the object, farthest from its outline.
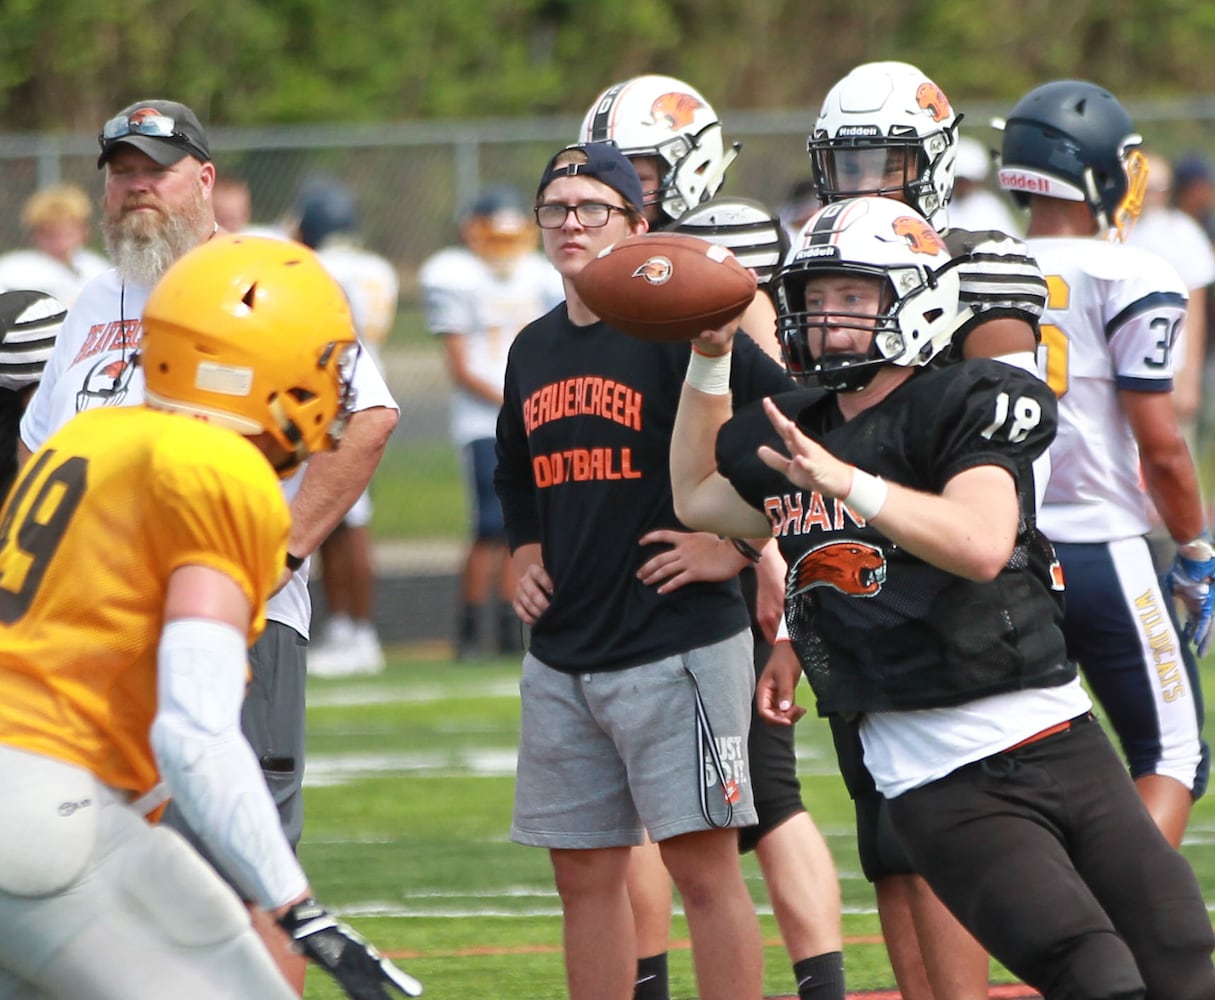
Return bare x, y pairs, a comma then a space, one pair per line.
665, 286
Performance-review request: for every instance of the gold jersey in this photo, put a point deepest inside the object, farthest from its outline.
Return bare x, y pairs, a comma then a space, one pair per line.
100, 517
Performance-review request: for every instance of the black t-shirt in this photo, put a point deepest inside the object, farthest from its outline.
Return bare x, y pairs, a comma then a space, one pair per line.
583, 448
876, 627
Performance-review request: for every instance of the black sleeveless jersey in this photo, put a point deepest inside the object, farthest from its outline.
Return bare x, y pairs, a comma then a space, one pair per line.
875, 627
583, 447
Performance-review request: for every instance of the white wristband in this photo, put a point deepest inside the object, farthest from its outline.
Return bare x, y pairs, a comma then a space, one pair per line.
709, 374
867, 495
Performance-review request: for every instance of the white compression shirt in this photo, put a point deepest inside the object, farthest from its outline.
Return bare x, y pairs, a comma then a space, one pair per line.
208, 764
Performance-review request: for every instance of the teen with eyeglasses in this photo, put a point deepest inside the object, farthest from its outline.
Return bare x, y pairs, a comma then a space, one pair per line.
636, 698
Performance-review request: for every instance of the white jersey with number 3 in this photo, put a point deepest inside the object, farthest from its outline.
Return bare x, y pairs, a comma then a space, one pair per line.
1111, 323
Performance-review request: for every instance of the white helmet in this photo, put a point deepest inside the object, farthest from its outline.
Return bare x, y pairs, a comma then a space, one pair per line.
878, 109
868, 238
664, 117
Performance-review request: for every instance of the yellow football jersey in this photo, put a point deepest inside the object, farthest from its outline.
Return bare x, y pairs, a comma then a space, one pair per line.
101, 516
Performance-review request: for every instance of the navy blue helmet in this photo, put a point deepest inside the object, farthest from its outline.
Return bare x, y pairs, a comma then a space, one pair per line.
1072, 140
324, 207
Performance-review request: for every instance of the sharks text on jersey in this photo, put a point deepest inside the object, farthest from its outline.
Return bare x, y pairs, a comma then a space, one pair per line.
801, 513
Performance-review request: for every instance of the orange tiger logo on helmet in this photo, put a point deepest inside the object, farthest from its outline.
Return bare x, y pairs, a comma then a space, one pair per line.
851, 567
675, 110
920, 236
932, 99
655, 270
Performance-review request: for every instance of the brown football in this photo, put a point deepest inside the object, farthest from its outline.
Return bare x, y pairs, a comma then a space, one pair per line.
665, 286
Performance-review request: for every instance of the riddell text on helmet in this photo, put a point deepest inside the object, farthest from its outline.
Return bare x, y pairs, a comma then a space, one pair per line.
1024, 182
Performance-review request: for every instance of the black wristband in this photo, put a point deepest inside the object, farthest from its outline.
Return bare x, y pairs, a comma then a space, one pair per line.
294, 562
746, 549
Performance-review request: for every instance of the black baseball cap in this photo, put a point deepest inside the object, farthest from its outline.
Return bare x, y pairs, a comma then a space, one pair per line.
164, 130
604, 162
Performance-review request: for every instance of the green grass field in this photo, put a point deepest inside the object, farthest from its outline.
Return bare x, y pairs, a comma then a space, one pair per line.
408, 800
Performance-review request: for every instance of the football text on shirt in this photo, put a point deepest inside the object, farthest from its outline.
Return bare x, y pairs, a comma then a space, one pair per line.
589, 395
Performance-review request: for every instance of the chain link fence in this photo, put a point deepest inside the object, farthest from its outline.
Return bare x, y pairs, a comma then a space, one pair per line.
411, 179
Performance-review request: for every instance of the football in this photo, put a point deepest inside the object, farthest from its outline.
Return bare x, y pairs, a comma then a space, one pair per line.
665, 286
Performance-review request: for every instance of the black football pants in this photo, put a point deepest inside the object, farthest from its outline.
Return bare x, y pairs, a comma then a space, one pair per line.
1050, 859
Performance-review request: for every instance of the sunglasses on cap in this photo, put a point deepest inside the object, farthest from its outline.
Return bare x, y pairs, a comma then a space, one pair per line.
156, 126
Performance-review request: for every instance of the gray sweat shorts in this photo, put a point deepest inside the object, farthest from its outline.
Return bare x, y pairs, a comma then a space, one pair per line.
662, 746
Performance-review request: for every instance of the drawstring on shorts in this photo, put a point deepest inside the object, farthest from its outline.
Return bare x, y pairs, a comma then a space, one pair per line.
706, 747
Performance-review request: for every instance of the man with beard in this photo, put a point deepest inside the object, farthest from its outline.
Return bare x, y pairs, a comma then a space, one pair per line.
157, 206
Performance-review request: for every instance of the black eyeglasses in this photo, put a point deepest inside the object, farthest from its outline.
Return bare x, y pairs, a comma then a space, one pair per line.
592, 214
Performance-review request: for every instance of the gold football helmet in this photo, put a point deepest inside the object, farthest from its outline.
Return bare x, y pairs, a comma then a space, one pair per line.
253, 334
498, 227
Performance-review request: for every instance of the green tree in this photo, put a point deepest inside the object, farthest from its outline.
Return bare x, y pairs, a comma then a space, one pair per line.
65, 64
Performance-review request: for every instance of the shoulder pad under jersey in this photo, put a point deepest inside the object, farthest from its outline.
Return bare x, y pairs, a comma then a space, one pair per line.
751, 230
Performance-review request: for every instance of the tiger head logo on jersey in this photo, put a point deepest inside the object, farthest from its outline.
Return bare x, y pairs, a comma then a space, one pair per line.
920, 236
932, 99
851, 567
675, 110
655, 270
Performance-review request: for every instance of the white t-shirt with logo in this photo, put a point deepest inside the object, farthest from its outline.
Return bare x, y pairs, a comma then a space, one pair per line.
92, 365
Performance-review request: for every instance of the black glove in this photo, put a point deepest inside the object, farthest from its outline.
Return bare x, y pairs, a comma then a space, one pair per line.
361, 971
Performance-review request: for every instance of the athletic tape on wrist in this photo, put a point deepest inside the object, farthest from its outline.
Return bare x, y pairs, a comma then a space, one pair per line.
867, 495
709, 374
1199, 549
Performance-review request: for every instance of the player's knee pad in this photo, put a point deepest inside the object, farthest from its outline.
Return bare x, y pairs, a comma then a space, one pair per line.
180, 893
880, 849
775, 788
771, 815
49, 823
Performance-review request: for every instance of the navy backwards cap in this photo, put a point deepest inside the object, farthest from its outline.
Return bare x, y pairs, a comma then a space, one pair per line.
142, 125
604, 162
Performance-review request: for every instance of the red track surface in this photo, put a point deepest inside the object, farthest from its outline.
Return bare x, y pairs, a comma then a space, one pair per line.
1005, 992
